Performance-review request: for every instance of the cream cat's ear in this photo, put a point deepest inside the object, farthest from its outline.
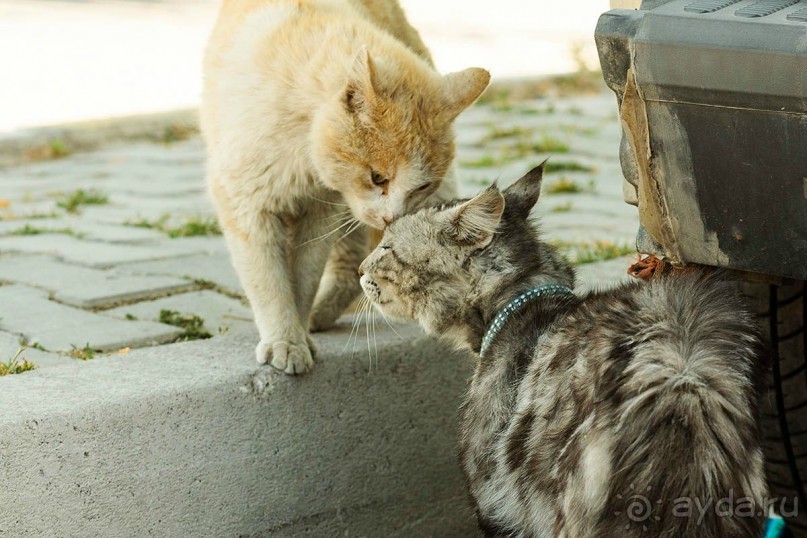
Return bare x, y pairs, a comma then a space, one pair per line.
360, 91
463, 88
474, 222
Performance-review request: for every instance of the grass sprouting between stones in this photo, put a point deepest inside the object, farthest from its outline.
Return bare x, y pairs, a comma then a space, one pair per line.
561, 208
566, 166
481, 181
85, 353
566, 185
485, 161
497, 133
177, 133
71, 202
520, 148
34, 230
193, 227
15, 366
192, 325
545, 144
33, 345
592, 251
202, 283
54, 149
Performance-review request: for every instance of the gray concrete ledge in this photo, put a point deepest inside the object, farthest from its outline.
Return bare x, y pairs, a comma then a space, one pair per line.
197, 440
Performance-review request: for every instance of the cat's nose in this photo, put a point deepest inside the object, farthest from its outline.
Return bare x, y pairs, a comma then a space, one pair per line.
387, 220
361, 270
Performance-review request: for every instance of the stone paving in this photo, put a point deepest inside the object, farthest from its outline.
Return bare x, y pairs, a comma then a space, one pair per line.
99, 278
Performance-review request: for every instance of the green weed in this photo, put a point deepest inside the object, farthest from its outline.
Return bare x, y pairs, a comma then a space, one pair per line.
15, 366
192, 325
566, 185
33, 230
593, 251
85, 353
195, 226
561, 208
566, 166
71, 202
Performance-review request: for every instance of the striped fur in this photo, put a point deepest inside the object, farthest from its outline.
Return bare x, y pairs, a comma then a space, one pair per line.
585, 408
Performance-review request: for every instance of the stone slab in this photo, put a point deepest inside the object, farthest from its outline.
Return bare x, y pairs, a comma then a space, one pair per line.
29, 313
10, 344
215, 268
87, 229
221, 314
99, 254
85, 287
150, 208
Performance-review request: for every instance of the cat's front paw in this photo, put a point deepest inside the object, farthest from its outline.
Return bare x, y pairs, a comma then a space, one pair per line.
287, 356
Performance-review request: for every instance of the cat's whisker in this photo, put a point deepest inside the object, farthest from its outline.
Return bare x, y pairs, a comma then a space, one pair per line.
386, 320
327, 202
355, 326
360, 311
347, 223
367, 331
375, 340
340, 215
350, 230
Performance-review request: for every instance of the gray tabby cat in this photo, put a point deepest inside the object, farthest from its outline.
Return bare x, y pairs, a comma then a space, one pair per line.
581, 407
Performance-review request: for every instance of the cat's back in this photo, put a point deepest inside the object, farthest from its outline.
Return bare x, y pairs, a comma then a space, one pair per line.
269, 56
692, 336
676, 372
264, 16
702, 313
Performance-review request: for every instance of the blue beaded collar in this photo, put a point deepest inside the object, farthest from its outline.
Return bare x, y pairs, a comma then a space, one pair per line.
516, 304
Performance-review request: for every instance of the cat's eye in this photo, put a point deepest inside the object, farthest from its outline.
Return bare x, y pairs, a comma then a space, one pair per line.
377, 178
423, 187
384, 247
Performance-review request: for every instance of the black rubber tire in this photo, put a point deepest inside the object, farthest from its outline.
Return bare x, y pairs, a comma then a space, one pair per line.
783, 311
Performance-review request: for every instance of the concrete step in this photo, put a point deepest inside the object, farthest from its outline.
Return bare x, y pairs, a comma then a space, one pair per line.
196, 439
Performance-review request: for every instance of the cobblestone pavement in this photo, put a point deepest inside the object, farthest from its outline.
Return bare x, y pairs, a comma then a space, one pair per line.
117, 248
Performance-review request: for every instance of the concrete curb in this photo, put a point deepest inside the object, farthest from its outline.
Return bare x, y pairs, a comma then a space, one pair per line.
196, 439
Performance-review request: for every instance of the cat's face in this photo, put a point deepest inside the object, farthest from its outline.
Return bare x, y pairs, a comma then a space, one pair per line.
431, 264
387, 141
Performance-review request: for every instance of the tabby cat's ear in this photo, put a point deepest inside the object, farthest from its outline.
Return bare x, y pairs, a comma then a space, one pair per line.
463, 88
522, 195
474, 222
361, 85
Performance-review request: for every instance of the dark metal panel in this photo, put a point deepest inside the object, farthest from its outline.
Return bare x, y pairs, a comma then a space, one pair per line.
748, 174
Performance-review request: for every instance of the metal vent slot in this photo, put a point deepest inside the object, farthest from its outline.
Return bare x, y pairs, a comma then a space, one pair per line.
709, 6
798, 15
763, 8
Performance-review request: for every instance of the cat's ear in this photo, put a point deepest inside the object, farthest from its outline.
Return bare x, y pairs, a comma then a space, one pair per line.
522, 195
361, 86
474, 222
463, 88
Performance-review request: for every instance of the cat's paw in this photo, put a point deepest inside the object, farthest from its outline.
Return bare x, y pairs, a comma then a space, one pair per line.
286, 356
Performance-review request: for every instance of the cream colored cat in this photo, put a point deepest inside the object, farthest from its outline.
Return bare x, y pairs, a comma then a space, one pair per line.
314, 112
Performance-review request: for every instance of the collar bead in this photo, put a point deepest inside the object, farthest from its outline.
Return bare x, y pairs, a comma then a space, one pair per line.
514, 305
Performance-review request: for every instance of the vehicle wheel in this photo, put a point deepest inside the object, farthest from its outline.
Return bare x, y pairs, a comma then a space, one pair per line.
783, 312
